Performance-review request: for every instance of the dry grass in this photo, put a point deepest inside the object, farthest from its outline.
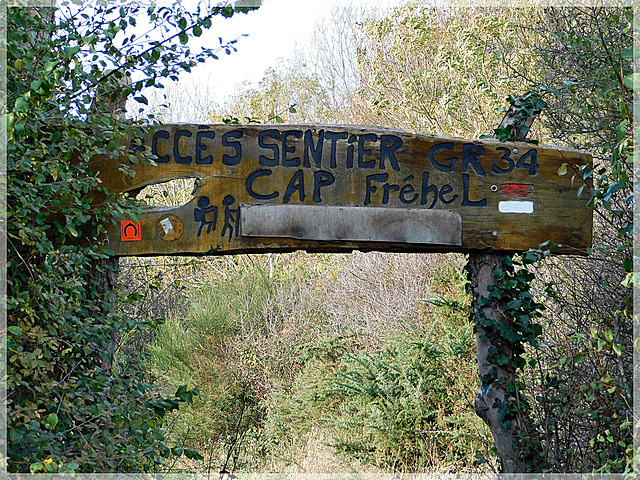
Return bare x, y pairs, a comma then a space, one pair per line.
376, 293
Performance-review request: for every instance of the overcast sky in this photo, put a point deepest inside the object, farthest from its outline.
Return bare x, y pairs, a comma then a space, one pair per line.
272, 33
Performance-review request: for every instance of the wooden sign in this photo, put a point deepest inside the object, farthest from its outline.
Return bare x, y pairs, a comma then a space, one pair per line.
335, 188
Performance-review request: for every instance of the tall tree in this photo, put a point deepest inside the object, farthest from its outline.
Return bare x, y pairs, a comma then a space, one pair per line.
71, 405
285, 94
428, 69
332, 55
445, 71
582, 388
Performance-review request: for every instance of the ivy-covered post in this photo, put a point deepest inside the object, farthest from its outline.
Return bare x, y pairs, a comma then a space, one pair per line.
496, 369
106, 271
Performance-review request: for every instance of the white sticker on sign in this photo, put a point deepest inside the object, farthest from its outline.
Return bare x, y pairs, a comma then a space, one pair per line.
515, 206
167, 226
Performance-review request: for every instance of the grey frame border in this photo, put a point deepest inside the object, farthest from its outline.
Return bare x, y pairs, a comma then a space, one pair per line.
4, 4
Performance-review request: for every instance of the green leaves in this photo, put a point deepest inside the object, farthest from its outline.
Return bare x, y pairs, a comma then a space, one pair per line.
50, 421
23, 104
192, 454
379, 404
630, 81
71, 52
627, 54
14, 330
617, 348
508, 321
608, 335
69, 397
563, 169
587, 381
505, 134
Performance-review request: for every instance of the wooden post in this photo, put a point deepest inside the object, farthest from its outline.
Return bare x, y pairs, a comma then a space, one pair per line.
105, 271
493, 393
481, 267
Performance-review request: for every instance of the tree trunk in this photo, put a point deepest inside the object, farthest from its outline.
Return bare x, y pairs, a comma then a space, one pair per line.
493, 393
106, 272
494, 378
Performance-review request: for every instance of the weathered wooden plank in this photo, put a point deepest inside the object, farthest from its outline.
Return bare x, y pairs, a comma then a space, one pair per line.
352, 224
509, 196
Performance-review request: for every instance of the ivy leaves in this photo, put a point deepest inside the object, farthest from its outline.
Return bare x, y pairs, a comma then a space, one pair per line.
72, 407
97, 43
512, 292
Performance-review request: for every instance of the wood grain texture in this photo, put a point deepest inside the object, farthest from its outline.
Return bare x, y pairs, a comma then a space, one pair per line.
357, 166
358, 224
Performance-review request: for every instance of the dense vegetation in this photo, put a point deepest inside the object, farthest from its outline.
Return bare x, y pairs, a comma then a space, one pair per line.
449, 72
309, 363
317, 350
74, 403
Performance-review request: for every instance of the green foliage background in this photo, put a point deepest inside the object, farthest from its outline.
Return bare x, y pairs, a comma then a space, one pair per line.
449, 72
278, 356
72, 404
276, 367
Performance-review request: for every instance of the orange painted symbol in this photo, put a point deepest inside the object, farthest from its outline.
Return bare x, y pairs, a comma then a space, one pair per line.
129, 231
